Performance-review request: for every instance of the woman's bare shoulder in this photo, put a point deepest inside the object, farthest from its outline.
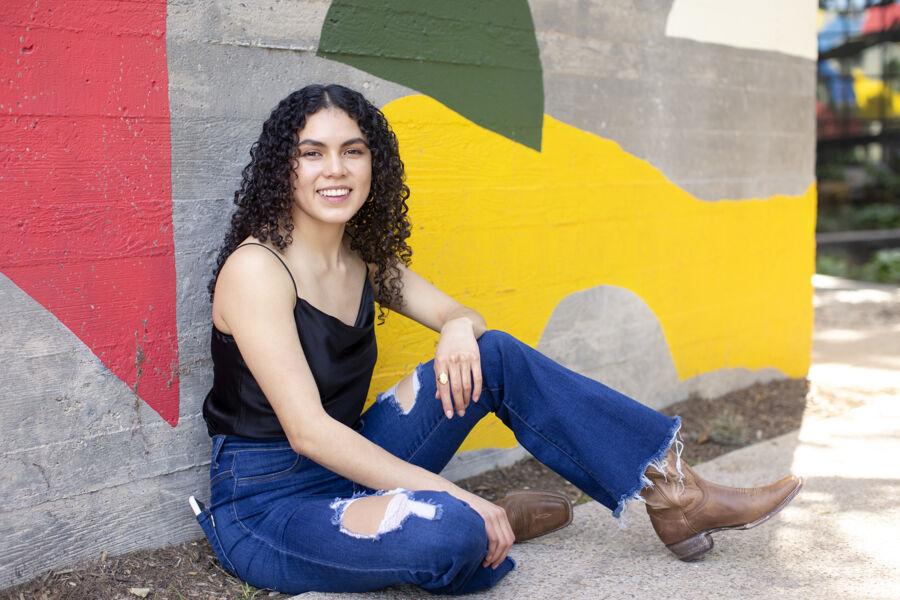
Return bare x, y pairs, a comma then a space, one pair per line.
250, 279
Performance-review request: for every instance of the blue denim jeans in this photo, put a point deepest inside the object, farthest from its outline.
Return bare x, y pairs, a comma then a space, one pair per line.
274, 518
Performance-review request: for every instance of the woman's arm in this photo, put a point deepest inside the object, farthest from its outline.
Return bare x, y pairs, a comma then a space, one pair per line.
340, 449
426, 304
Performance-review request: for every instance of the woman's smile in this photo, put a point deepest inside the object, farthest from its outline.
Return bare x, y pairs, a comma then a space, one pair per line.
334, 195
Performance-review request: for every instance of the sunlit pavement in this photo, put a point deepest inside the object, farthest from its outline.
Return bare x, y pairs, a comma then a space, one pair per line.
856, 346
840, 538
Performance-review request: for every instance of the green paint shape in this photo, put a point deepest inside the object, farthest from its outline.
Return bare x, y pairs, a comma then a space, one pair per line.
478, 58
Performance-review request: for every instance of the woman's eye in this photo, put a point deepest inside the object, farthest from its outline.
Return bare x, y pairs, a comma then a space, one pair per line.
317, 154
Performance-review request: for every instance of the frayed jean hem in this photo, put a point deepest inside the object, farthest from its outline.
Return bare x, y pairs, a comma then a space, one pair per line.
655, 460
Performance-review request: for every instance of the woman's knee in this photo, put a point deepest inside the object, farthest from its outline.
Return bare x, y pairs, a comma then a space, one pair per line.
492, 345
461, 551
494, 339
462, 534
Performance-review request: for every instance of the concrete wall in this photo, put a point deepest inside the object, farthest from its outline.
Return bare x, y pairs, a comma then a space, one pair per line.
649, 217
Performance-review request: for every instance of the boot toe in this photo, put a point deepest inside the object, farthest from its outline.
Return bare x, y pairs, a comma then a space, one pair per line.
533, 513
779, 495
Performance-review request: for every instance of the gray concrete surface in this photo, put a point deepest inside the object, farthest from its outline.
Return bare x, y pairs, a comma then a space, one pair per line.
611, 334
838, 539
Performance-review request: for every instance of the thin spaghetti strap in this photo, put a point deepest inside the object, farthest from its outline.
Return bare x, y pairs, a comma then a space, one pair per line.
296, 293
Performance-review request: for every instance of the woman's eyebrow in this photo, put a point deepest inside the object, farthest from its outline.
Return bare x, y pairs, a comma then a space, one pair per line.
347, 143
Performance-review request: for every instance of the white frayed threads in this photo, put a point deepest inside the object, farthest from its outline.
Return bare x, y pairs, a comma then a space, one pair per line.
661, 465
390, 394
400, 507
415, 390
624, 517
679, 446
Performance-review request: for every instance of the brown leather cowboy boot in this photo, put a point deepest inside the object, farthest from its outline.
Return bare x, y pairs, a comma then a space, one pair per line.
536, 513
685, 512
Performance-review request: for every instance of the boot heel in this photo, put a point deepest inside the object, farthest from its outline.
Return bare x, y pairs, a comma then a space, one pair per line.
693, 547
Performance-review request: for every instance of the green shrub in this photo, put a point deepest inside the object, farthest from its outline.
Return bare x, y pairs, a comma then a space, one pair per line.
885, 184
729, 428
870, 216
876, 216
830, 172
829, 264
884, 267
830, 220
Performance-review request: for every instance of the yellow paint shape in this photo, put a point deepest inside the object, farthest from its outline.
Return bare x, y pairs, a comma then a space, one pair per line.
511, 232
875, 99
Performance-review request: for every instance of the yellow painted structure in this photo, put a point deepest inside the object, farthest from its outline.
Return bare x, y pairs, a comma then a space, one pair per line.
874, 98
511, 231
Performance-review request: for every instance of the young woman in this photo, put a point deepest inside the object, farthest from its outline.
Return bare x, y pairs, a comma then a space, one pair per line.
309, 494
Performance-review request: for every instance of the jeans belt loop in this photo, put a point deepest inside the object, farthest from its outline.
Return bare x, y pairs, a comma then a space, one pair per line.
217, 443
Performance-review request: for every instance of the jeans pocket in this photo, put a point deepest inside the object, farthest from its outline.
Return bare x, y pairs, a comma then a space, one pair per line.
259, 465
208, 524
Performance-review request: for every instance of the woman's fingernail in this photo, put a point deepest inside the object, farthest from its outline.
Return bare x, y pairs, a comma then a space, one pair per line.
449, 414
461, 413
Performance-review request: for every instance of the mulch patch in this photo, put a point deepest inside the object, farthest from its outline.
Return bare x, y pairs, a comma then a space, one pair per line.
190, 570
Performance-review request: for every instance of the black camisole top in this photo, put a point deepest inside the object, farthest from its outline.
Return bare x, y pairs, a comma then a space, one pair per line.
341, 357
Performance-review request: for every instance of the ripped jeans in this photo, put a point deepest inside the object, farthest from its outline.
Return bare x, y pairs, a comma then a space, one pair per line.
274, 518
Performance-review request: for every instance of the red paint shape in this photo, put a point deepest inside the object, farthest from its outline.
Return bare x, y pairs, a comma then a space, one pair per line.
85, 177
881, 18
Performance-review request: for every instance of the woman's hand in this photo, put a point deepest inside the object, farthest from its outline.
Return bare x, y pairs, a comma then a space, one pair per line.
496, 524
457, 355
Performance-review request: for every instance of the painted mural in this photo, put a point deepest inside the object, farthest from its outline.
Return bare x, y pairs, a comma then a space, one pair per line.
601, 169
86, 224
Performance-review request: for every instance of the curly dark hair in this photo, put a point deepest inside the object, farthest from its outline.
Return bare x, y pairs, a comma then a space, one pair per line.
377, 231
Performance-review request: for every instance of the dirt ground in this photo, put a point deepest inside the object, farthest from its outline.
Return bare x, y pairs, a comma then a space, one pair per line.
190, 570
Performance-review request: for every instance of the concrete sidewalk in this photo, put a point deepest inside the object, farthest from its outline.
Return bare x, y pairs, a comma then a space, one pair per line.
840, 538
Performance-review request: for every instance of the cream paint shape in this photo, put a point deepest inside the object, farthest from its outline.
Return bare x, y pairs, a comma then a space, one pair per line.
786, 26
511, 232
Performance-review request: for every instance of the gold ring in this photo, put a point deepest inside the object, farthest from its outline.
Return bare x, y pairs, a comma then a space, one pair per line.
442, 378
